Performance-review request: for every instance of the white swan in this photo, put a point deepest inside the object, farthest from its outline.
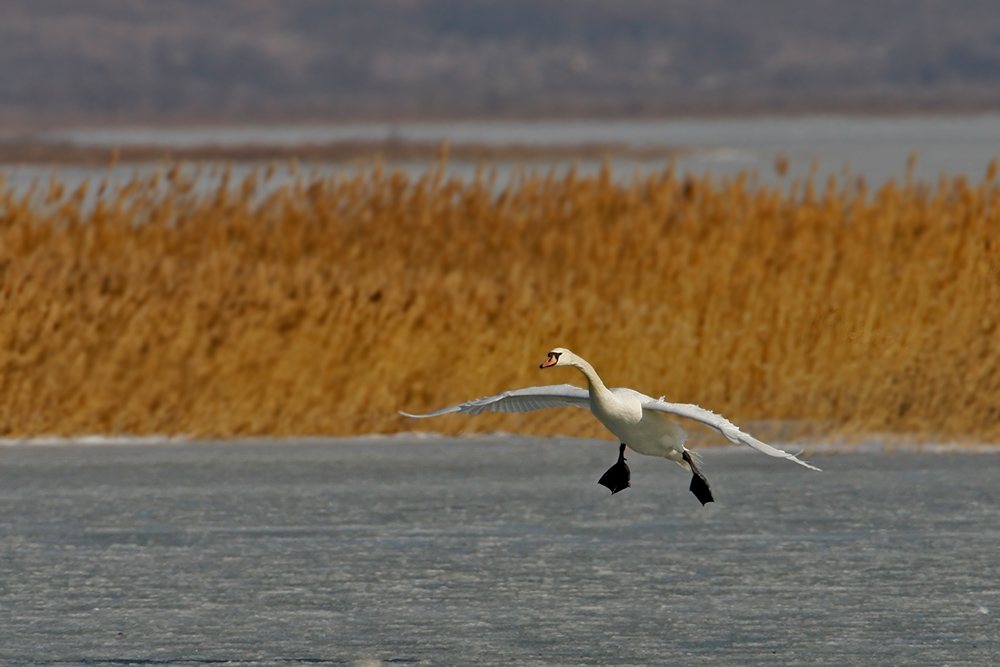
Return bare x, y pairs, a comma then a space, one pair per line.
634, 418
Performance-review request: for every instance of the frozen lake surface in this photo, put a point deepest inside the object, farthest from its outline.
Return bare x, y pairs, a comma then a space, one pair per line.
492, 551
876, 148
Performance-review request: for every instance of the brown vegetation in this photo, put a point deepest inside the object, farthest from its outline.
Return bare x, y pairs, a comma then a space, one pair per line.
325, 307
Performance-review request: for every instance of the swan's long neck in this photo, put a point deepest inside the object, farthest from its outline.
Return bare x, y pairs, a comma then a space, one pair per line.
597, 387
616, 413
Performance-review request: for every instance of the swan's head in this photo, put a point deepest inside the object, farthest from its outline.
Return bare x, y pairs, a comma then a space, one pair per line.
560, 356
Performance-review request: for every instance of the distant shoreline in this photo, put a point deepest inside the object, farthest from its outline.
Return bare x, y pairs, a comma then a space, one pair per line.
339, 151
943, 103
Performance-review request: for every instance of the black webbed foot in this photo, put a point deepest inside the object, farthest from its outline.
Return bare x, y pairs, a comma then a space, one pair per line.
699, 485
618, 477
700, 488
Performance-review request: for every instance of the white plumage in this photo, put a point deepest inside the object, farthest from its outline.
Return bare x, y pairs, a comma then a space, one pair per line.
635, 419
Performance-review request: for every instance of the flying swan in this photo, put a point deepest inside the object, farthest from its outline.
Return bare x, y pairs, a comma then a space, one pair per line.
634, 418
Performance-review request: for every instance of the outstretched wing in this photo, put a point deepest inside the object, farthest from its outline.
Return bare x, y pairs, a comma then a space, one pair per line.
519, 400
722, 425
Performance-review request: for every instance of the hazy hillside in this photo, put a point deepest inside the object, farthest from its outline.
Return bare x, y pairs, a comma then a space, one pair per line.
246, 58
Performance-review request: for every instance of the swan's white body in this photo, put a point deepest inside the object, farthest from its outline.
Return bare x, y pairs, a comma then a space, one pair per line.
635, 419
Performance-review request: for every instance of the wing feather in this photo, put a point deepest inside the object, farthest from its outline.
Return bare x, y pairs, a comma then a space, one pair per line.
722, 425
519, 400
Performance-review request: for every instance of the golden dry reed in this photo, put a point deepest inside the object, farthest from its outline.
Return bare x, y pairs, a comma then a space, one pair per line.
323, 307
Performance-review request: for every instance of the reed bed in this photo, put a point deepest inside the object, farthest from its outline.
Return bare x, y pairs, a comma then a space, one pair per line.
325, 306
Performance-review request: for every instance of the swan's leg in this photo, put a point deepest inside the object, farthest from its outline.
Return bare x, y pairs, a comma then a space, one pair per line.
699, 485
618, 477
